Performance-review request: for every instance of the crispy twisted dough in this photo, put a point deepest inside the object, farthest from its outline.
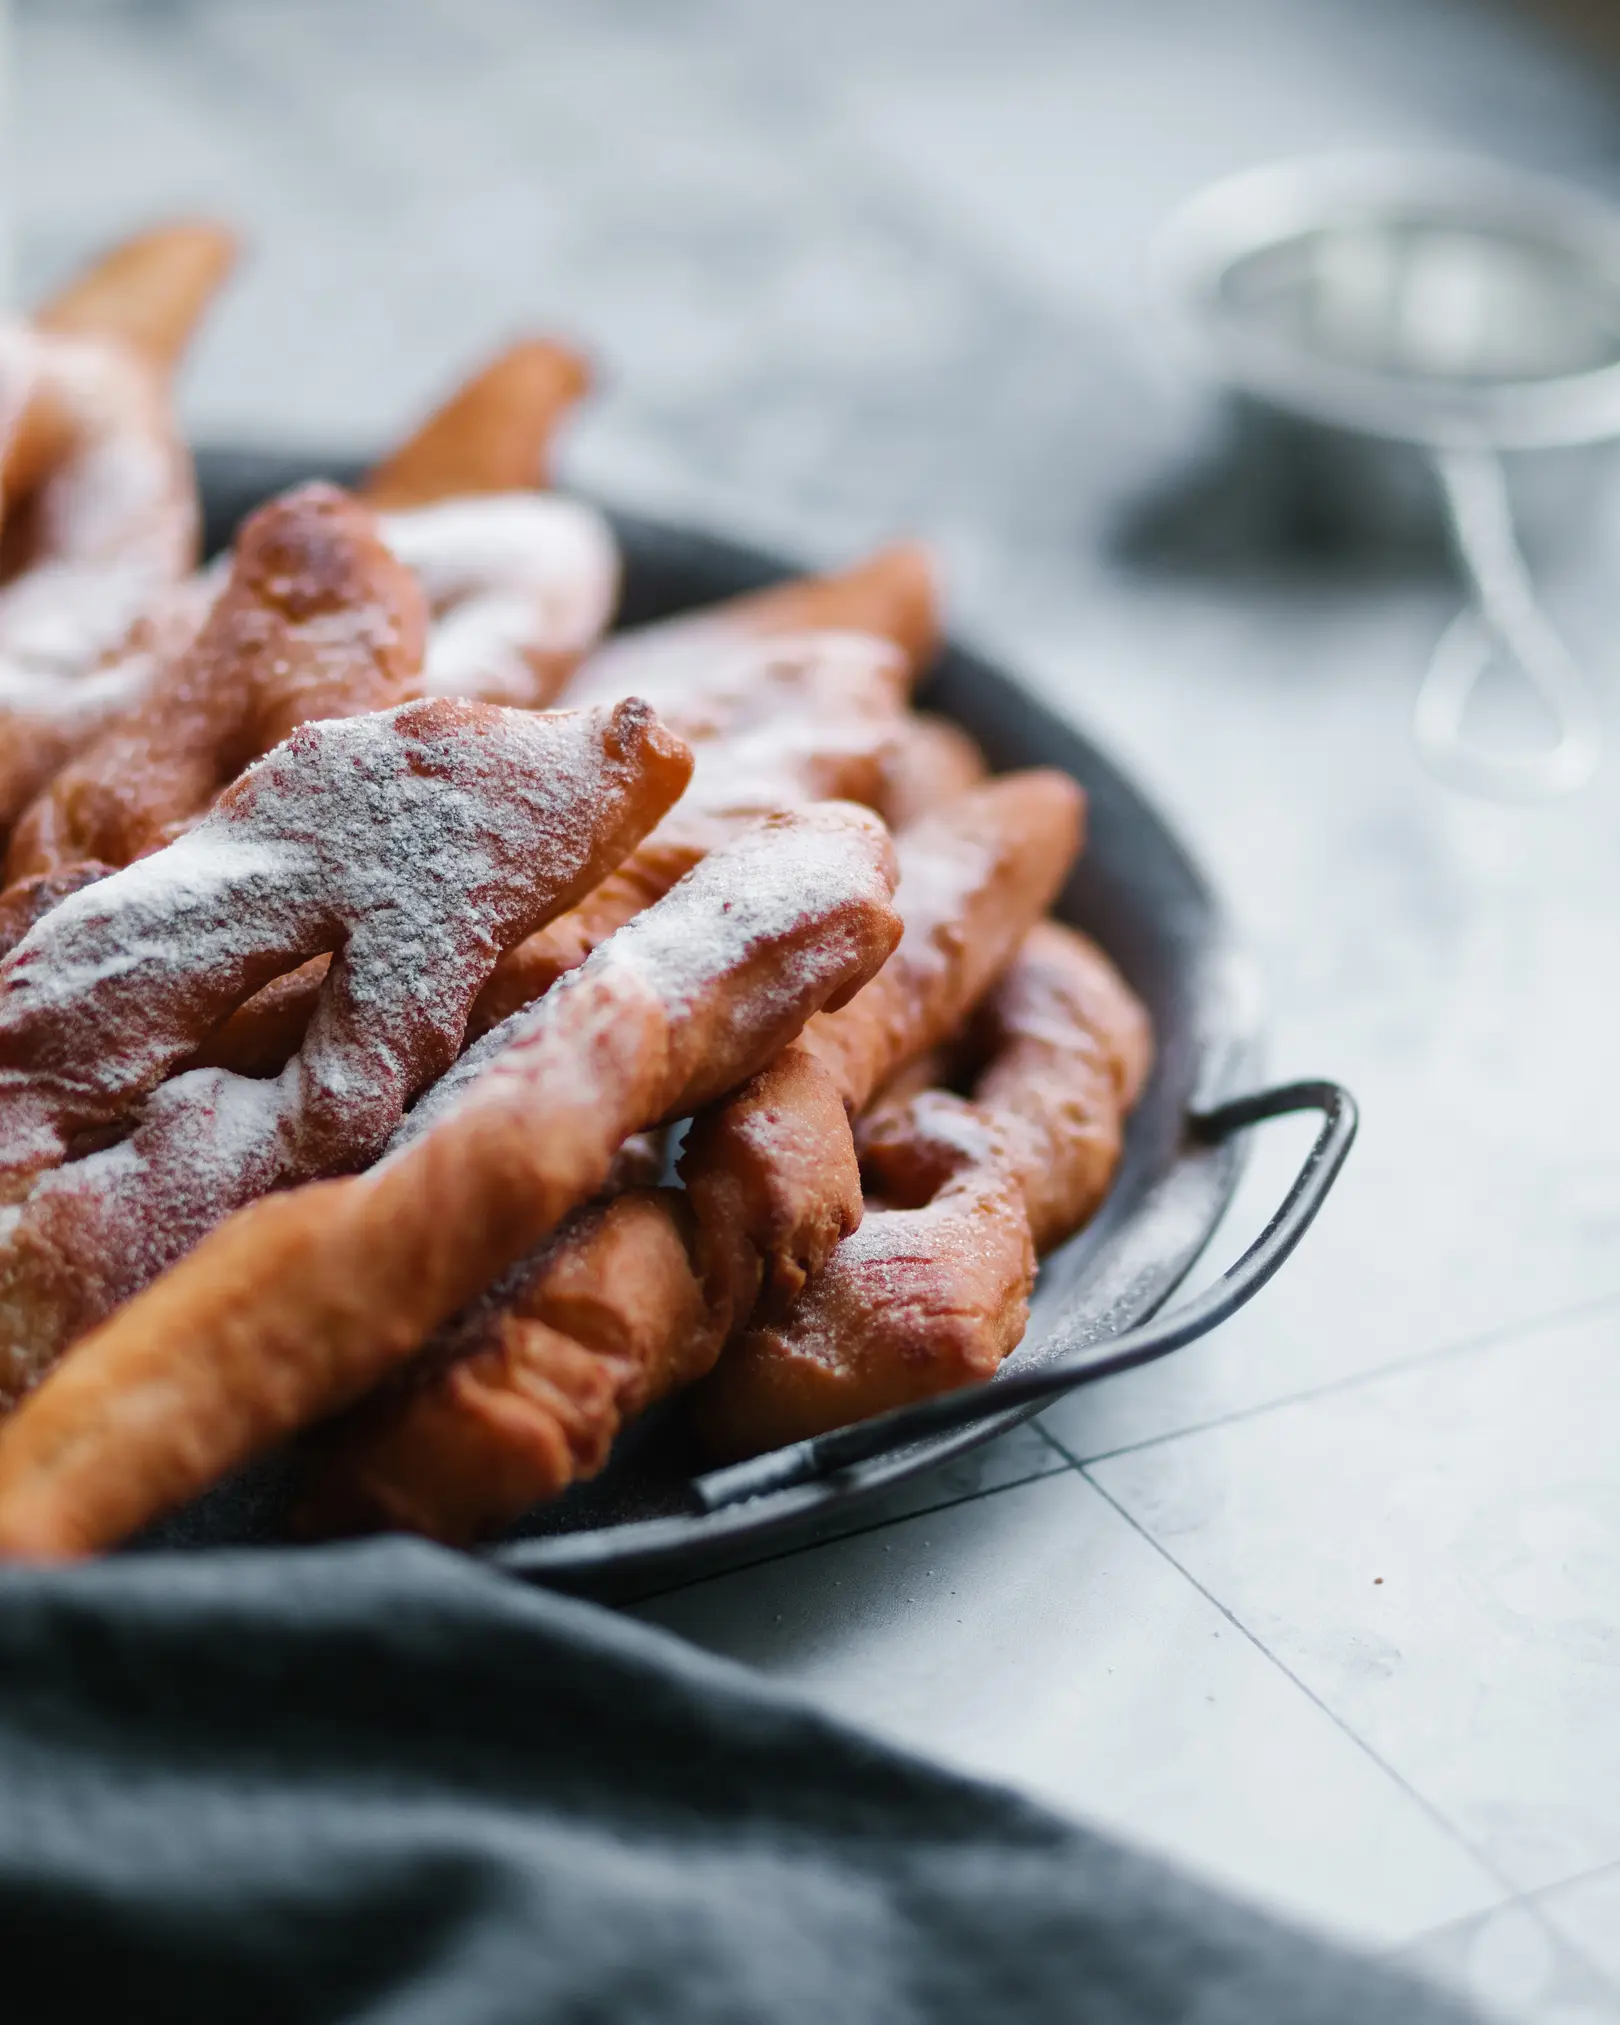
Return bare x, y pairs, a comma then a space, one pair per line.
629, 1301
422, 840
786, 717
520, 585
518, 588
30, 900
149, 292
317, 620
303, 1301
1067, 1047
932, 1291
774, 723
929, 762
916, 1301
100, 521
508, 1415
524, 1394
494, 433
974, 877
891, 595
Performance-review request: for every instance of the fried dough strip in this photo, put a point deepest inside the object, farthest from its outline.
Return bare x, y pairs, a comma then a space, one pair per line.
627, 1302
929, 762
974, 878
525, 1394
494, 433
698, 670
149, 292
100, 510
932, 1291
100, 529
520, 585
518, 588
317, 620
1067, 1047
772, 1184
891, 594
358, 831
916, 1301
422, 840
776, 722
305, 1300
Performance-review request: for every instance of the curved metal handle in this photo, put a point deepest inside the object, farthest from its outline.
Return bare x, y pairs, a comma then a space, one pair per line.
1504, 619
805, 1461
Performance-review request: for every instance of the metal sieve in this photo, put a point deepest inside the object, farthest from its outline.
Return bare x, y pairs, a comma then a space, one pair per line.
1433, 333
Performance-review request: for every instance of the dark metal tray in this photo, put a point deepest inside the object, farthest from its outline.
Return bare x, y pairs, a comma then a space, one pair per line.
650, 1517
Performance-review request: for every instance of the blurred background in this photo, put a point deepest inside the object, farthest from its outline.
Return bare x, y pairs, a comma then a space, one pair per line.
877, 267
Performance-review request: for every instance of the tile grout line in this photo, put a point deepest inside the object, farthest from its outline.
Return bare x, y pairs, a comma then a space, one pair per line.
1533, 1904
1082, 1464
1527, 1903
1454, 1834
1347, 1383
1575, 1877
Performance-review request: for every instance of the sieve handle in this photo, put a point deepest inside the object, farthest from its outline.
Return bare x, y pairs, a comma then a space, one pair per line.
1504, 619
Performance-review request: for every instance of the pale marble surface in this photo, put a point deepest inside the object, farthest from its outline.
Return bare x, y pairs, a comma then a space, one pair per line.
877, 265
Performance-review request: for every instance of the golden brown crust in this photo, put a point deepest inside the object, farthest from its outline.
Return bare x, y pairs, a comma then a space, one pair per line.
775, 1168
303, 1301
973, 878
917, 1301
149, 292
932, 1290
773, 1184
1067, 1047
493, 434
928, 762
28, 902
891, 596
100, 513
421, 840
774, 723
525, 1394
317, 620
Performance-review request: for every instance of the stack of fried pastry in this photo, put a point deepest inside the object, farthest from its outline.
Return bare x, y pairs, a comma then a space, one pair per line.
431, 1031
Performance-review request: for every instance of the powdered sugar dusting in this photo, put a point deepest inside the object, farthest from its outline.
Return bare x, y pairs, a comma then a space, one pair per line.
756, 936
417, 841
517, 582
944, 861
116, 521
716, 682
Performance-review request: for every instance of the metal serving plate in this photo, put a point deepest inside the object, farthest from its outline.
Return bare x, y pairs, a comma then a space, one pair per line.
643, 1522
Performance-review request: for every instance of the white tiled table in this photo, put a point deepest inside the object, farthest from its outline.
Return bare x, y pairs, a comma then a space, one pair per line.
1329, 1606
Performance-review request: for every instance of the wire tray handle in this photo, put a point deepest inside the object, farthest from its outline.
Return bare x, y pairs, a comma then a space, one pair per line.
807, 1461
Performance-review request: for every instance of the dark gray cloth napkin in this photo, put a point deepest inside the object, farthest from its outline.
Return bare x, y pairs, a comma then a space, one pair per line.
382, 1783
